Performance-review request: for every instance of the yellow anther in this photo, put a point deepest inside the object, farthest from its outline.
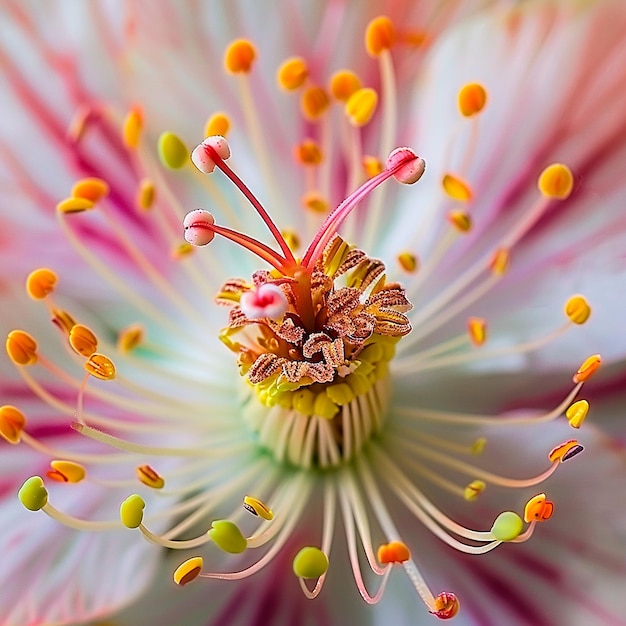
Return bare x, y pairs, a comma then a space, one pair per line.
100, 366
146, 194
292, 73
479, 445
472, 99
79, 123
538, 509
588, 368
188, 571
361, 106
150, 477
173, 153
133, 125
227, 536
577, 413
63, 320
500, 261
372, 165
303, 401
507, 526
477, 329
308, 153
310, 562
408, 261
66, 471
12, 422
83, 340
74, 205
93, 189
461, 220
393, 552
473, 490
131, 511
239, 56
343, 84
315, 202
40, 283
292, 239
577, 309
218, 124
456, 188
340, 393
565, 451
446, 605
556, 181
21, 348
182, 250
33, 494
130, 338
415, 38
324, 406
256, 507
379, 35
313, 103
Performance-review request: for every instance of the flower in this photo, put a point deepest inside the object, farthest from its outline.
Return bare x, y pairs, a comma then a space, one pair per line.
341, 399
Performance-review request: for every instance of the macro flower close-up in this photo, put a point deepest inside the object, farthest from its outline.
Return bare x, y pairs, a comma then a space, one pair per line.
313, 312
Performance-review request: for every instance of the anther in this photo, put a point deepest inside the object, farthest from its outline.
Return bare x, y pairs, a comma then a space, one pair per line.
446, 605
181, 251
131, 511
63, 320
130, 338
75, 205
477, 329
556, 181
372, 166
217, 124
507, 526
266, 300
473, 490
379, 35
256, 507
393, 552
308, 153
33, 494
472, 99
188, 571
100, 366
361, 106
202, 157
146, 194
315, 202
292, 239
577, 309
478, 446
588, 368
132, 127
93, 189
577, 413
82, 340
310, 562
292, 73
313, 103
41, 283
461, 221
197, 226
239, 56
407, 167
343, 84
150, 477
21, 348
538, 509
456, 188
172, 150
66, 471
227, 536
12, 422
565, 451
499, 263
408, 261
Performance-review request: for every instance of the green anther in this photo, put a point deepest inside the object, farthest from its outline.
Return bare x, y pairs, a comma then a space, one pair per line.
227, 536
340, 394
310, 562
33, 494
172, 151
131, 511
508, 526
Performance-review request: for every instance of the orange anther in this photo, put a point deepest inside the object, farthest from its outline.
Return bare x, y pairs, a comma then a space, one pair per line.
408, 261
314, 102
292, 73
82, 340
538, 509
150, 477
379, 36
132, 127
21, 348
146, 194
556, 181
460, 220
217, 124
472, 99
587, 369
577, 309
565, 451
446, 605
74, 205
239, 56
393, 552
456, 188
182, 250
477, 329
308, 153
100, 366
40, 283
343, 84
12, 422
500, 261
315, 202
93, 189
130, 338
372, 166
63, 320
66, 471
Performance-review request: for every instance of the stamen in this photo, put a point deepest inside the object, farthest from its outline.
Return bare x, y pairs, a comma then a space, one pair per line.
343, 84
173, 152
188, 570
313, 103
577, 309
146, 194
477, 329
394, 552
372, 166
239, 57
446, 605
538, 509
258, 508
132, 128
130, 337
94, 189
149, 477
41, 283
379, 35
473, 490
218, 124
74, 205
82, 340
472, 99
131, 511
21, 348
292, 74
227, 536
577, 413
408, 261
66, 471
507, 526
100, 366
310, 563
12, 423
361, 106
587, 369
556, 181
565, 451
461, 221
308, 153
